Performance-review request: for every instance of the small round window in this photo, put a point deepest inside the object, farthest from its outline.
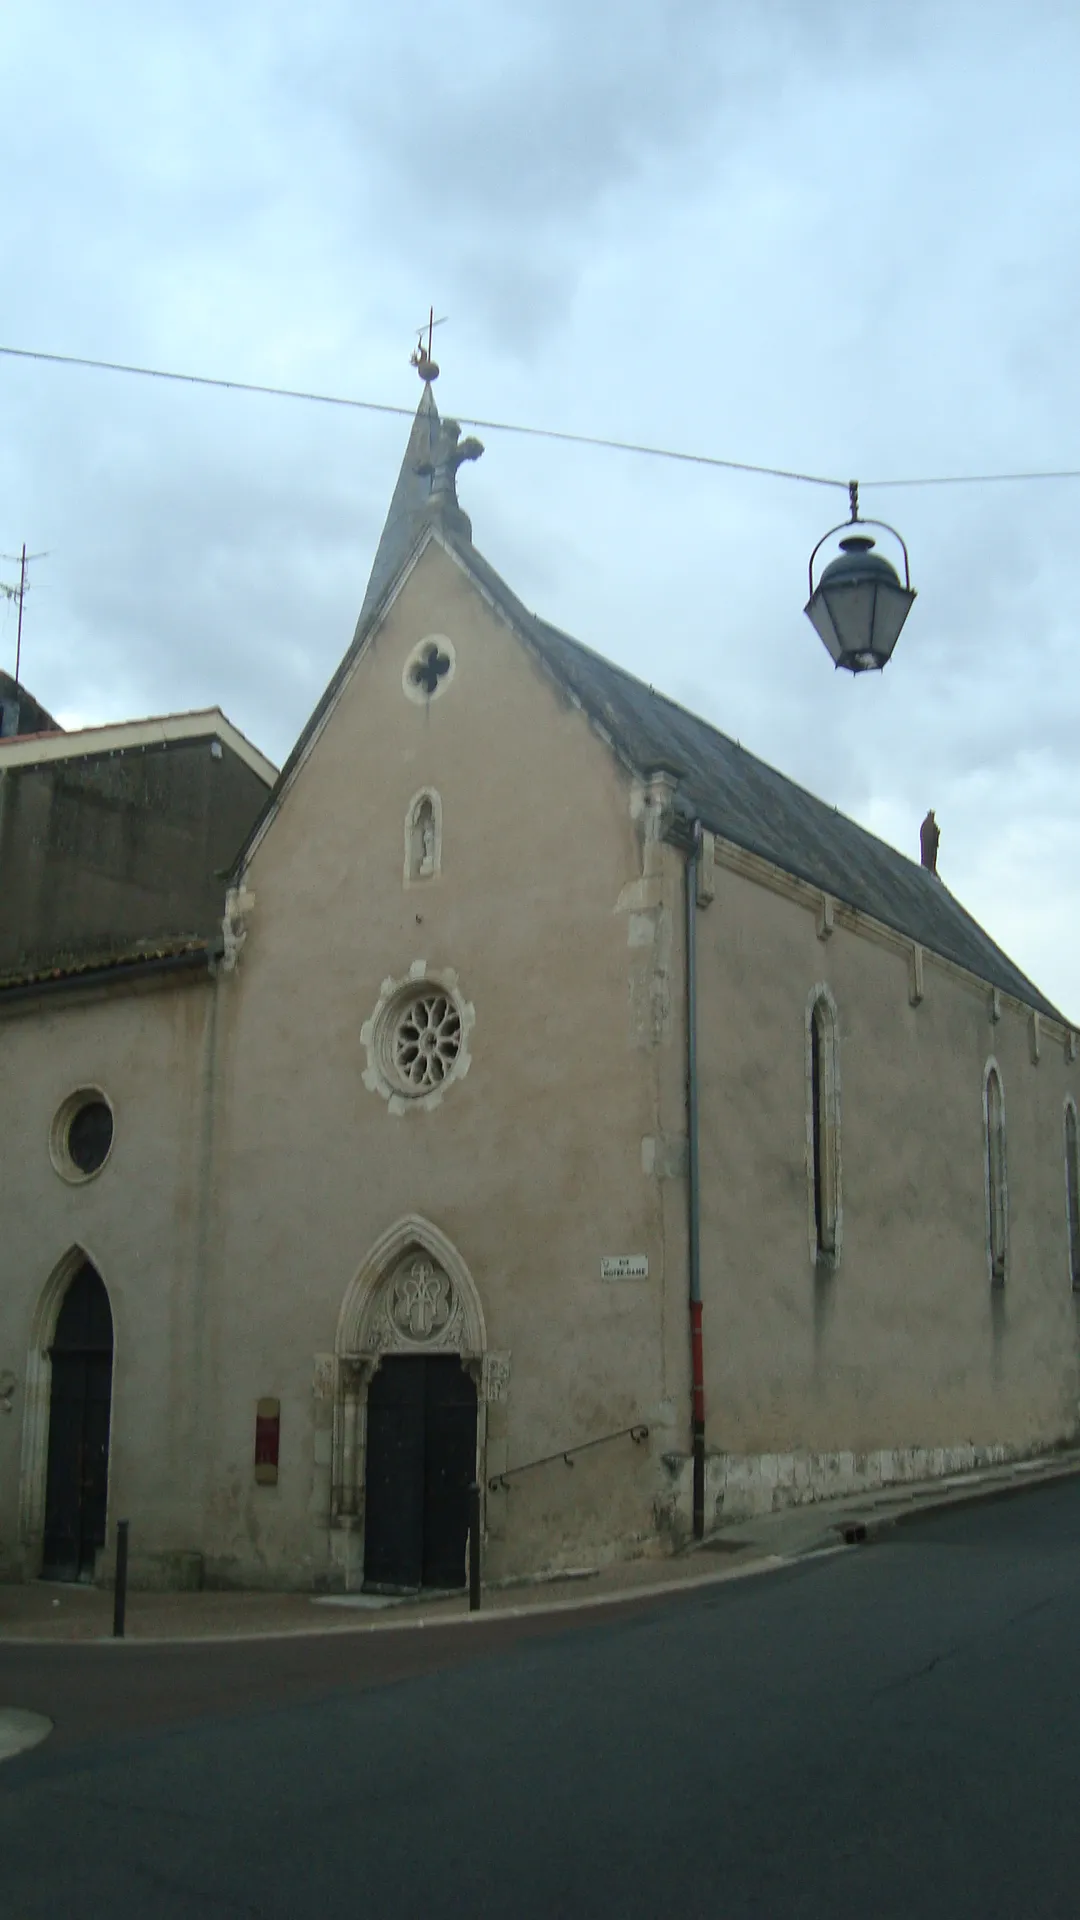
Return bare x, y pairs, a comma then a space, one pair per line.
82, 1135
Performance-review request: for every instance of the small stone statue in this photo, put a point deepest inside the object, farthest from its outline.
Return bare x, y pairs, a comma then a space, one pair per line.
427, 841
929, 839
422, 863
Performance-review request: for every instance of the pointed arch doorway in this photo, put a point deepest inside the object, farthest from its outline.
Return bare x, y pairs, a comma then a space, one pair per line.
80, 1403
420, 1459
413, 1377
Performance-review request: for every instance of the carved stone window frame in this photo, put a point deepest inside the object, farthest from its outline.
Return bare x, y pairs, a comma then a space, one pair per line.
63, 1119
394, 995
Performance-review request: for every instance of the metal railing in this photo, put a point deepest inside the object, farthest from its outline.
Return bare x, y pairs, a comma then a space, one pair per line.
638, 1433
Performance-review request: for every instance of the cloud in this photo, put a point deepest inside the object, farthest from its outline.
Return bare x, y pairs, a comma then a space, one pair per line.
841, 240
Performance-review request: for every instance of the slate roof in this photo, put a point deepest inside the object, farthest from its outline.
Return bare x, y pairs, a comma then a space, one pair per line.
733, 793
747, 802
408, 506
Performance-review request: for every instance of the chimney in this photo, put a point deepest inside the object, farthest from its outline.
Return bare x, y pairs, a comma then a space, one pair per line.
929, 837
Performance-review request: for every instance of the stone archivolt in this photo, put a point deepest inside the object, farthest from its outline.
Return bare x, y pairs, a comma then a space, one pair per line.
413, 1293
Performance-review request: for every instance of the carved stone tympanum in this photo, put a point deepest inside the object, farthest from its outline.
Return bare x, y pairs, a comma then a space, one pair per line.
417, 1306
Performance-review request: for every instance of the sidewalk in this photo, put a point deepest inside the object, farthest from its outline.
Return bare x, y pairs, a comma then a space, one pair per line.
49, 1612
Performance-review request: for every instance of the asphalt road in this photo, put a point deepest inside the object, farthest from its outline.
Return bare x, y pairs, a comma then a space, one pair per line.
890, 1731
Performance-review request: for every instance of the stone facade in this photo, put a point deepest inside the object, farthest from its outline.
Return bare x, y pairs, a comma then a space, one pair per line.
431, 1085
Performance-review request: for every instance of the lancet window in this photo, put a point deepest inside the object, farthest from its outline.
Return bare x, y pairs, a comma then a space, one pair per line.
1072, 1191
823, 1092
997, 1192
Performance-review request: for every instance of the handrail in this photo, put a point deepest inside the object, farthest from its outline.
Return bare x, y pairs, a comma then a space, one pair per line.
638, 1433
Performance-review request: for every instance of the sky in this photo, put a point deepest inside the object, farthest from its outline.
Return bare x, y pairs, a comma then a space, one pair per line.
841, 240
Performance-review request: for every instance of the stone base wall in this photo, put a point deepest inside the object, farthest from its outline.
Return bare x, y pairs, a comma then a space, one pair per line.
742, 1486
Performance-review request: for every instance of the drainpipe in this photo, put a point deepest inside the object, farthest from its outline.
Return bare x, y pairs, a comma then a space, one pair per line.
697, 1359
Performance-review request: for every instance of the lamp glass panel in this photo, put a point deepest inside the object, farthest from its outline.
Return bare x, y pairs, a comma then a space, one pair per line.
820, 619
893, 607
851, 604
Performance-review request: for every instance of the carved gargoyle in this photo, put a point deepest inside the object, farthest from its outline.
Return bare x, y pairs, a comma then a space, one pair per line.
447, 455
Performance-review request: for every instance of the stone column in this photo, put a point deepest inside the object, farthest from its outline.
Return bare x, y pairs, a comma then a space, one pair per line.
351, 1377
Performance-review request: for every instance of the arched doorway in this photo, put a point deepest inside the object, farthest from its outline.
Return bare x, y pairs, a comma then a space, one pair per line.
413, 1382
80, 1398
420, 1459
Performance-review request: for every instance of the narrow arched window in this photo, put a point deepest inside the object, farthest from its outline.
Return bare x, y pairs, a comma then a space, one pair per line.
1072, 1191
997, 1193
823, 1090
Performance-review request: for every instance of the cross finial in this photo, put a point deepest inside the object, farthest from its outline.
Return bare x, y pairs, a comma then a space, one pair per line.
420, 358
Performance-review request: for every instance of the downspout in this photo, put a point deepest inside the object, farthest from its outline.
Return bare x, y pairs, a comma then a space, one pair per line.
697, 1358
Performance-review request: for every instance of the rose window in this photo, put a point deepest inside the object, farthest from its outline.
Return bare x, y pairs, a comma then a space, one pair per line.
426, 1041
417, 1039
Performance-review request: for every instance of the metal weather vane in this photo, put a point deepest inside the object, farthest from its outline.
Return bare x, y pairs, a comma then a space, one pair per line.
421, 357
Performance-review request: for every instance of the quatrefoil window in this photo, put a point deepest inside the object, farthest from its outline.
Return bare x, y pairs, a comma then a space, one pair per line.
429, 668
429, 671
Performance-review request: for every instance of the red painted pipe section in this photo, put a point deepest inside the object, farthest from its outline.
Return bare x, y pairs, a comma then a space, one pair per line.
698, 1417
697, 1353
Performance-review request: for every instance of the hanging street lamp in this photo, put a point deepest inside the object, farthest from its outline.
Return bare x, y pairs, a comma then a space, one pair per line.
858, 605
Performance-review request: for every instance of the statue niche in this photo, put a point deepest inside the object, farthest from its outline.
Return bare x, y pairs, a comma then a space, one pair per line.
423, 837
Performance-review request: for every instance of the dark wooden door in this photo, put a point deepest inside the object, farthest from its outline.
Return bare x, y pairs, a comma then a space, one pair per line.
449, 1467
77, 1473
394, 1476
420, 1459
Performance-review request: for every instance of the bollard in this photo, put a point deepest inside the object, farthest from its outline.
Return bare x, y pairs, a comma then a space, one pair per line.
120, 1587
474, 1548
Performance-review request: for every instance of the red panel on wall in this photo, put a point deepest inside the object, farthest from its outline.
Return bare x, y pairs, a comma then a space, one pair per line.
267, 1441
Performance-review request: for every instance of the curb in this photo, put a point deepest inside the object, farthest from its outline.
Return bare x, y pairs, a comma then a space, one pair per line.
764, 1563
864, 1526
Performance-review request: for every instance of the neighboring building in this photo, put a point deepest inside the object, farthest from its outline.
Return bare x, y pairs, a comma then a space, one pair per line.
115, 841
395, 1191
20, 712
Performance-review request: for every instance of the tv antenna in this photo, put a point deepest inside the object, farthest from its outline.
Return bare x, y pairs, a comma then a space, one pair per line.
18, 594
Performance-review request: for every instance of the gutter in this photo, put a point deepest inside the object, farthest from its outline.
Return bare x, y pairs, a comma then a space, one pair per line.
697, 1353
187, 962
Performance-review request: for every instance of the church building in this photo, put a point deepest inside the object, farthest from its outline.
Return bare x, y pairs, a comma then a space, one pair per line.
525, 1086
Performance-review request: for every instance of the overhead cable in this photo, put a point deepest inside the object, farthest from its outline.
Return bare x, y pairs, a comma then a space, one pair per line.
538, 433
